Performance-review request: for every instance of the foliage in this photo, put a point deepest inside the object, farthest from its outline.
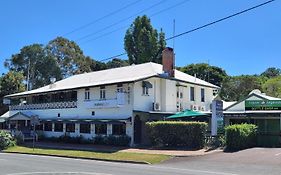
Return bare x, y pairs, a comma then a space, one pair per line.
69, 57
35, 65
272, 87
203, 71
174, 133
240, 136
238, 87
116, 62
122, 140
11, 82
143, 43
6, 140
271, 72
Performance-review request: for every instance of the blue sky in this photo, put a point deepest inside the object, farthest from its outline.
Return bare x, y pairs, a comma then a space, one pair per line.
246, 44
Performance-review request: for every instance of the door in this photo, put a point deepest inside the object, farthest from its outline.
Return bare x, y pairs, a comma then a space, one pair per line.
137, 130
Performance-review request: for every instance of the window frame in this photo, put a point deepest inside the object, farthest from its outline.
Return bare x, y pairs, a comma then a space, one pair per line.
192, 93
102, 93
45, 126
202, 95
119, 131
87, 94
56, 128
97, 130
71, 129
85, 131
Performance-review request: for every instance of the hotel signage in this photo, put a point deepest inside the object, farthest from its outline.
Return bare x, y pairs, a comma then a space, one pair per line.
217, 117
259, 105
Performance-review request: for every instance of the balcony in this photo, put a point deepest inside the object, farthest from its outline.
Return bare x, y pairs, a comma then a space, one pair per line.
53, 105
118, 102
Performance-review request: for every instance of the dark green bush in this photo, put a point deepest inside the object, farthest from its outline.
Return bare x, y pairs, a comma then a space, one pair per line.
240, 136
175, 133
6, 140
122, 140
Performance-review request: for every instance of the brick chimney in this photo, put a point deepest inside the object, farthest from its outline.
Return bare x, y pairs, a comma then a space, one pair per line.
168, 61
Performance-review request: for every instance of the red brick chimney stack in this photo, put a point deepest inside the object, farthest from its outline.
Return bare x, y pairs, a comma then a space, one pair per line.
168, 61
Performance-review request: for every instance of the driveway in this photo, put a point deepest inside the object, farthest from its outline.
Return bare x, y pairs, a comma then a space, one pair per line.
256, 161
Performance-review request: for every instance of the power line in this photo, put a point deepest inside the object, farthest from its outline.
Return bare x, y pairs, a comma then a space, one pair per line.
211, 23
154, 14
124, 19
113, 57
101, 18
220, 20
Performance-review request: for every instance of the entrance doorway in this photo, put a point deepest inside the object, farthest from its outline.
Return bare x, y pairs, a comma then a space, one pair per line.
137, 130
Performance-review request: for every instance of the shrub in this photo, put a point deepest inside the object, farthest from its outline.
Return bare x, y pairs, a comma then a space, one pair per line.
122, 140
240, 136
6, 140
175, 133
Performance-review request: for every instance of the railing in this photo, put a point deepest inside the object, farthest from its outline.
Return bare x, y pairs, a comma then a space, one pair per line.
54, 105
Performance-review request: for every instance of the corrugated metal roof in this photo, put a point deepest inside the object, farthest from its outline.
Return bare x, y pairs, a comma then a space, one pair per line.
111, 76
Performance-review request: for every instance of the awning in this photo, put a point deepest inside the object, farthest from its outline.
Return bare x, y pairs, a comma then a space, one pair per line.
186, 113
146, 84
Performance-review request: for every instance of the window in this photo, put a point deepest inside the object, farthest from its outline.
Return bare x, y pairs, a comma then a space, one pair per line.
102, 92
39, 127
120, 88
48, 126
144, 90
101, 129
70, 127
87, 94
202, 95
58, 127
192, 94
85, 128
119, 129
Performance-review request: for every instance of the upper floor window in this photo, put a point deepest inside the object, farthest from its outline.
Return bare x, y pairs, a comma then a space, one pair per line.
87, 94
120, 88
145, 86
202, 95
102, 92
192, 94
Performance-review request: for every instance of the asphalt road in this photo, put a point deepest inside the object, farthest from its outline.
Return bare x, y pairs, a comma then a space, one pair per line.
257, 161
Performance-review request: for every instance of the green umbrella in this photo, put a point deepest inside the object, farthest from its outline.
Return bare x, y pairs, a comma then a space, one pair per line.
186, 113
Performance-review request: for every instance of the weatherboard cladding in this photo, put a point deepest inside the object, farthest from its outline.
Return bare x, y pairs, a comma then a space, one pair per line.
125, 74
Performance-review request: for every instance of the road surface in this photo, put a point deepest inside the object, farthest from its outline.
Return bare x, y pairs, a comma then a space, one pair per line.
257, 161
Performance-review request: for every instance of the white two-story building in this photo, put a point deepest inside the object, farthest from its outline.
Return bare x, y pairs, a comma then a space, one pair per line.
110, 102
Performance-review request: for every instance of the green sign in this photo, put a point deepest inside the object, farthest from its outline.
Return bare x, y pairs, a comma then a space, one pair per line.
259, 105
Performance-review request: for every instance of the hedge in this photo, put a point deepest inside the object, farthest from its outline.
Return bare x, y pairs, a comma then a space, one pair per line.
176, 133
6, 140
240, 136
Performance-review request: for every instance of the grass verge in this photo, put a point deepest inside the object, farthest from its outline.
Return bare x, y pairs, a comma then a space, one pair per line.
115, 156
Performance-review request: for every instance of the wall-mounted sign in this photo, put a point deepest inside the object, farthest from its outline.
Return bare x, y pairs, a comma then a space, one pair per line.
259, 105
217, 117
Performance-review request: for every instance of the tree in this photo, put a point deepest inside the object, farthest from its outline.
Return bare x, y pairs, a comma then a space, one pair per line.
272, 87
116, 62
203, 71
271, 72
10, 83
143, 43
69, 56
238, 87
37, 67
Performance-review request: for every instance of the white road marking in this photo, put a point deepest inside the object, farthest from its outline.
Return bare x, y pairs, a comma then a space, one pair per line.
53, 173
278, 154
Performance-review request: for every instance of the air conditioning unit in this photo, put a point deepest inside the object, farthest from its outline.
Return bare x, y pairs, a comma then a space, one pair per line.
202, 108
156, 106
194, 107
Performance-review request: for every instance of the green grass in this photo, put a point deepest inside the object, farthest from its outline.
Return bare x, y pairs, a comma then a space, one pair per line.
124, 156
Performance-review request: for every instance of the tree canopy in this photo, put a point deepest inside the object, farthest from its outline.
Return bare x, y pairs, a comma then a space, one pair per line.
212, 74
143, 43
271, 72
273, 86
